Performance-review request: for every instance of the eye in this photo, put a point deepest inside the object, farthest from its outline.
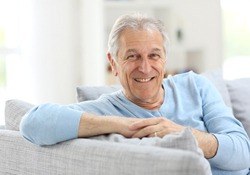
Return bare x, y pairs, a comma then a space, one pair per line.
154, 56
132, 57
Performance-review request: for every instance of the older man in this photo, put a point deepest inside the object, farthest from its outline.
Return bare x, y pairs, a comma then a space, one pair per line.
148, 105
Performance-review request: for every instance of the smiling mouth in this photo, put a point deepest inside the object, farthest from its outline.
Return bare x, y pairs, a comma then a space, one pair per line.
143, 80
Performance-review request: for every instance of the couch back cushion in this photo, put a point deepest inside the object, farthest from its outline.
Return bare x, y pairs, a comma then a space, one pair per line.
14, 112
85, 93
240, 98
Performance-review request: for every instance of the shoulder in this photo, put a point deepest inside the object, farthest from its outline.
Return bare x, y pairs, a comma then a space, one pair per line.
188, 78
104, 100
110, 96
99, 106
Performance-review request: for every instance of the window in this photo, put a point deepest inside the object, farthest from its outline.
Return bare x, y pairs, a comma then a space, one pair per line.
236, 33
9, 46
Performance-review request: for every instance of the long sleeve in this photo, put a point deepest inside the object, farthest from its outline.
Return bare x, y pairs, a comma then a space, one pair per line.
49, 124
234, 146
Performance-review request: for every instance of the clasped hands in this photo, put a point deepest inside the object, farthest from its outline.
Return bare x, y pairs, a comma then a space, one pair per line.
160, 126
151, 127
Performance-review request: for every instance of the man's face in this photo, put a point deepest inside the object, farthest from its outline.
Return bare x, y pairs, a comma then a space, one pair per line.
140, 65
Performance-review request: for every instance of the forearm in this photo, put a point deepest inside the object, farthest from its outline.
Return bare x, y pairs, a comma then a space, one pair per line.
207, 142
92, 125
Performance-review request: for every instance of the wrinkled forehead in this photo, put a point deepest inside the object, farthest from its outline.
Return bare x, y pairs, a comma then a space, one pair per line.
141, 39
139, 33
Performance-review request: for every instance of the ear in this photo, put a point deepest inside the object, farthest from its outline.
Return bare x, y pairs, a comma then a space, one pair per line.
112, 64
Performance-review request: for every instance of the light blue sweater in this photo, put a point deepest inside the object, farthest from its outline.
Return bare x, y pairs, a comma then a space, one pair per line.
189, 100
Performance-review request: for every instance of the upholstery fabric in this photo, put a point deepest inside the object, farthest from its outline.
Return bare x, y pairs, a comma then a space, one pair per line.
95, 157
85, 93
240, 97
184, 140
14, 111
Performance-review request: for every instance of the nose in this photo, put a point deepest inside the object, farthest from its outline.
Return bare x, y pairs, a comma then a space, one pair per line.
145, 66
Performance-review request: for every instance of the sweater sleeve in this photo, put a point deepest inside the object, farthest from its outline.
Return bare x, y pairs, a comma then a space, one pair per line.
49, 124
233, 143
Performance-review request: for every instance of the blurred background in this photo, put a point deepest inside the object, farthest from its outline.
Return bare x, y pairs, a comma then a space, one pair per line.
48, 47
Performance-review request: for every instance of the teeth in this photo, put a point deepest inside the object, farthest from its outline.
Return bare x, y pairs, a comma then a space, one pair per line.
143, 80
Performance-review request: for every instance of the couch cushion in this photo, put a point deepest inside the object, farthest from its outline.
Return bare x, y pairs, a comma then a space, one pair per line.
14, 111
184, 140
216, 78
85, 93
240, 98
95, 157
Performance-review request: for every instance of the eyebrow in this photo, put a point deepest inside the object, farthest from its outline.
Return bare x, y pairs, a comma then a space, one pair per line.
156, 50
135, 51
131, 50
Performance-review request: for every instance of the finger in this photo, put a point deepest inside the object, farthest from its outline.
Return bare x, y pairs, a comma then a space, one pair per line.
145, 132
145, 123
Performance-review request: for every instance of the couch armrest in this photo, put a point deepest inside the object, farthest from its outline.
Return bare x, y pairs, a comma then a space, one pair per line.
88, 156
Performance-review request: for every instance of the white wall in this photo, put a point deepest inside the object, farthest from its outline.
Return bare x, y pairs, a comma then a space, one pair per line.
61, 48
63, 43
93, 55
202, 25
50, 50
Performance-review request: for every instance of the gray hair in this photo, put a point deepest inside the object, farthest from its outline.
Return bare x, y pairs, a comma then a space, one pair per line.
135, 21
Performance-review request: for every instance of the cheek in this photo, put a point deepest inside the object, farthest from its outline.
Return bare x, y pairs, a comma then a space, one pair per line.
160, 67
127, 68
123, 73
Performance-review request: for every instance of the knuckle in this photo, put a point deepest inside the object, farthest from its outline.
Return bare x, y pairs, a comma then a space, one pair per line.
164, 127
161, 119
147, 131
150, 130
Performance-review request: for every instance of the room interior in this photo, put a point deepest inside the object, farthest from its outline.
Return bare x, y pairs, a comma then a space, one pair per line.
51, 47
55, 51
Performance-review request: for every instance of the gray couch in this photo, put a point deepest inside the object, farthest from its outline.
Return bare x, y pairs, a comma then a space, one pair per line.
113, 154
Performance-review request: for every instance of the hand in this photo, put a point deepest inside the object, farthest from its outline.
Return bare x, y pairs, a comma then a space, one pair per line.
123, 126
161, 126
153, 127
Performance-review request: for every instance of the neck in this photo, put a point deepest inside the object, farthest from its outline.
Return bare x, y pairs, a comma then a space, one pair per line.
152, 103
